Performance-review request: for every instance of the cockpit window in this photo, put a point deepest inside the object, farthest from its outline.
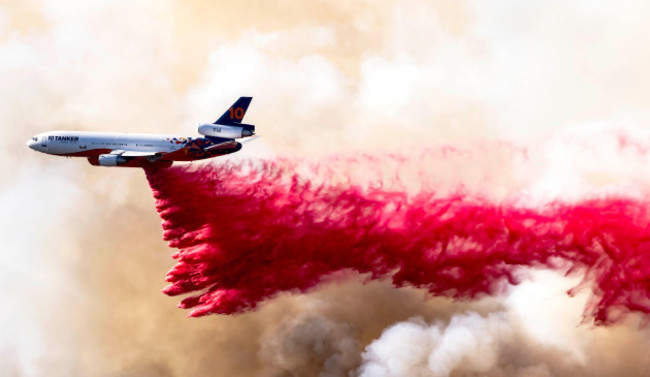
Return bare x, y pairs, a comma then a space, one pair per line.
35, 138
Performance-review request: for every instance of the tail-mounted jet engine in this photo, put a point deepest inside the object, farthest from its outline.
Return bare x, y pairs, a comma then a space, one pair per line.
226, 132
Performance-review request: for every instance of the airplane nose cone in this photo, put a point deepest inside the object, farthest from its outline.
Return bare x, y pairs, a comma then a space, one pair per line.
32, 144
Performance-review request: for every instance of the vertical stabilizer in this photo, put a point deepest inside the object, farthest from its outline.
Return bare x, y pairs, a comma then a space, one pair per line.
235, 114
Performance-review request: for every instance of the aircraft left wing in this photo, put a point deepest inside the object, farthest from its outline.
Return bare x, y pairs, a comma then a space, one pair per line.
149, 156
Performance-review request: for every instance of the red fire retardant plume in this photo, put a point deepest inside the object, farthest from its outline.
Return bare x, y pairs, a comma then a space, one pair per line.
248, 231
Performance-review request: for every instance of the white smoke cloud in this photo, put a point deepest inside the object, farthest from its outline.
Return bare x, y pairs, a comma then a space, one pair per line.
35, 277
537, 334
468, 344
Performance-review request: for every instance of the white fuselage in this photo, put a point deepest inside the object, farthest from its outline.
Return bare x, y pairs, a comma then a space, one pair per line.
82, 143
131, 150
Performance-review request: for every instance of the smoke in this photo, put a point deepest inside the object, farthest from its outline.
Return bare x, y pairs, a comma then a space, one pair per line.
468, 344
522, 339
83, 262
299, 344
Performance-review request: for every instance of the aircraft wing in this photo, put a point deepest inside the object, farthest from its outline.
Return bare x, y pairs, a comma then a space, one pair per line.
150, 156
139, 154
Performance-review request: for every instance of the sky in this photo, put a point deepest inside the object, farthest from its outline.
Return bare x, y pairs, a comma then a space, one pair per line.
83, 260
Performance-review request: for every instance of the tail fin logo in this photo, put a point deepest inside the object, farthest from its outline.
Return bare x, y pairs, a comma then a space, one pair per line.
236, 113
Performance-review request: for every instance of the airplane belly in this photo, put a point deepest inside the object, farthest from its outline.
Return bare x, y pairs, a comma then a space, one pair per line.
191, 153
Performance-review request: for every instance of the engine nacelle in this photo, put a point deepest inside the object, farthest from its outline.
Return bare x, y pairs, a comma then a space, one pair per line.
226, 132
111, 160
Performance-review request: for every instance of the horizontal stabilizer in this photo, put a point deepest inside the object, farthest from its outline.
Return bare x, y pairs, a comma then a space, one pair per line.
223, 145
248, 140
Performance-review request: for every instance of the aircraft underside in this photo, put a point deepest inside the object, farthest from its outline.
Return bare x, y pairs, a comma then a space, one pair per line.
165, 160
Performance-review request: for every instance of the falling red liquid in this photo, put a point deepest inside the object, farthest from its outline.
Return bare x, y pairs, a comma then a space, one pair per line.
248, 231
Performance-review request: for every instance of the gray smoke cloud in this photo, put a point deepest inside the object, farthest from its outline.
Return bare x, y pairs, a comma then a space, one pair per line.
299, 344
82, 258
526, 339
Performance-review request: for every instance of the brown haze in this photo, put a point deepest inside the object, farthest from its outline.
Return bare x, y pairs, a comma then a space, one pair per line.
83, 261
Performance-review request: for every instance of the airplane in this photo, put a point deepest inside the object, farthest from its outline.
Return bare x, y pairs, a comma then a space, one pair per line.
150, 150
